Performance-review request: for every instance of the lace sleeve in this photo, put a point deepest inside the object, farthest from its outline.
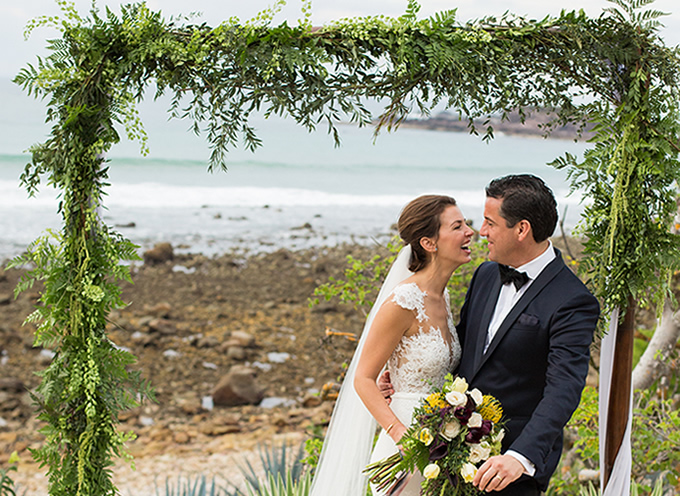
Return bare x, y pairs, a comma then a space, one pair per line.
410, 297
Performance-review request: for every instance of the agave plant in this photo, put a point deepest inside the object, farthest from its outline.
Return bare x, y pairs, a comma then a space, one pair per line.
186, 487
283, 474
277, 486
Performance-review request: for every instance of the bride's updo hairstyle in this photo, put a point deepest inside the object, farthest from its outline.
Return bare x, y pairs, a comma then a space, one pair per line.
420, 219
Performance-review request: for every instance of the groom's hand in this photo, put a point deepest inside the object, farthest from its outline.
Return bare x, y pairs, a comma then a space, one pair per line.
385, 386
497, 472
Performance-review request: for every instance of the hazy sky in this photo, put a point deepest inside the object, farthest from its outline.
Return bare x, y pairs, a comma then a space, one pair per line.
14, 14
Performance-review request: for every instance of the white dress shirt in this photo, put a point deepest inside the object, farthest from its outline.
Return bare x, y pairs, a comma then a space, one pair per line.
509, 295
507, 299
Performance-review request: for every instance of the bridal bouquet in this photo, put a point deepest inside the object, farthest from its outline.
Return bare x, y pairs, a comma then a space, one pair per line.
453, 431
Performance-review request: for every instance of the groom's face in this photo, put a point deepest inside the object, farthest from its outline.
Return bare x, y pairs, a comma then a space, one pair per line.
503, 242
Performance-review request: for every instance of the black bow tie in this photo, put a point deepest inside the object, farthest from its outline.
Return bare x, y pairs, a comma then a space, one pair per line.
510, 275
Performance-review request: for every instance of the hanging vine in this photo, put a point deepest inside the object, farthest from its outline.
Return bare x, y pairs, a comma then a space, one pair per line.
219, 77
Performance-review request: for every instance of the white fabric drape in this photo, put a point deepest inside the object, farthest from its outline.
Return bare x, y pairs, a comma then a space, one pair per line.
349, 439
619, 481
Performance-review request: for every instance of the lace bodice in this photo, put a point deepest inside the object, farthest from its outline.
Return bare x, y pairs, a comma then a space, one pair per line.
422, 360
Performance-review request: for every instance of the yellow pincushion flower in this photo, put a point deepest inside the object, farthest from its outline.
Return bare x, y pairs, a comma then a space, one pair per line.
491, 409
434, 402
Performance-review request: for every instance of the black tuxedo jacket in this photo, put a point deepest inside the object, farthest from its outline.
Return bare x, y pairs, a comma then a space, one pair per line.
537, 362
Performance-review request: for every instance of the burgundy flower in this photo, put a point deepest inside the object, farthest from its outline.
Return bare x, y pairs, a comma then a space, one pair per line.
453, 478
474, 435
438, 451
486, 427
462, 413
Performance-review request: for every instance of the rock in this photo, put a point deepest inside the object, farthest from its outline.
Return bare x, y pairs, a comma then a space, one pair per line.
142, 338
181, 437
45, 357
242, 338
5, 299
160, 253
8, 437
236, 353
12, 385
311, 400
208, 342
215, 429
162, 326
238, 387
280, 419
8, 401
325, 307
160, 311
190, 406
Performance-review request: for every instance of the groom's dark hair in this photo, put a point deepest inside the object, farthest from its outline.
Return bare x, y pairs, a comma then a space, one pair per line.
526, 197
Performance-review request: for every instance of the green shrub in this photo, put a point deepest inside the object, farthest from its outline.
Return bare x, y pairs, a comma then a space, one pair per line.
655, 443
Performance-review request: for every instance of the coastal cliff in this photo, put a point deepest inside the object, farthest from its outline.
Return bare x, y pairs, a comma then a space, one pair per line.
533, 125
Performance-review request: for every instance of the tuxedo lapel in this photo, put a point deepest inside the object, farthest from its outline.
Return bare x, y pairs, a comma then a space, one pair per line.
489, 308
547, 275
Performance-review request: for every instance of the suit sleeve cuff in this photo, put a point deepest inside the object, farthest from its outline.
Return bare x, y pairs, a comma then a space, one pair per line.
529, 468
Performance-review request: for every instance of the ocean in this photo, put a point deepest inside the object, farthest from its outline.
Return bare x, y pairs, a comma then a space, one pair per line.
297, 191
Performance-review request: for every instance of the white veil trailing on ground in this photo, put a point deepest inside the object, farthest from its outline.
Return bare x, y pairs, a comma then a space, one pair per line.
349, 439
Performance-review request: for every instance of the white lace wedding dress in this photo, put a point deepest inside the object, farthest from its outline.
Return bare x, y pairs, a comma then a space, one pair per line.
418, 363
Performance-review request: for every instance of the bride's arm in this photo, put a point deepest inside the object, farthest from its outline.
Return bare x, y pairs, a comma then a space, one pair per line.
389, 325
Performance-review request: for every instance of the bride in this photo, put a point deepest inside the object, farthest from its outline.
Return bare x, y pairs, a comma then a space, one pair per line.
410, 329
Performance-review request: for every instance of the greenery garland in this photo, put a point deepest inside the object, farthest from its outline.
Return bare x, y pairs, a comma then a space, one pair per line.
613, 71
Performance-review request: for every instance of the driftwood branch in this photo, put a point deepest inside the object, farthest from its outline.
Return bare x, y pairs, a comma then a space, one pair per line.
652, 363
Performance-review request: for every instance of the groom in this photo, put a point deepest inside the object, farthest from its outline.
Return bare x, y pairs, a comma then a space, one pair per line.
525, 337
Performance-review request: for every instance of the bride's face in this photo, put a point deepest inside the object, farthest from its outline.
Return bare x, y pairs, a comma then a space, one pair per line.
454, 237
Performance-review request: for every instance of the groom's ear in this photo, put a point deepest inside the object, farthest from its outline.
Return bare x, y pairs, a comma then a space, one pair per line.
523, 229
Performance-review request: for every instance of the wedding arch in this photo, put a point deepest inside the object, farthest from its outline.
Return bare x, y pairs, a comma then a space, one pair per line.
613, 72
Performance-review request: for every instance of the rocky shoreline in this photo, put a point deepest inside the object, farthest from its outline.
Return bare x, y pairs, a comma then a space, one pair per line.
235, 353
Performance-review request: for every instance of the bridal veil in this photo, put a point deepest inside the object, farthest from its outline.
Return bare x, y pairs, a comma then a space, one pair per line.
349, 438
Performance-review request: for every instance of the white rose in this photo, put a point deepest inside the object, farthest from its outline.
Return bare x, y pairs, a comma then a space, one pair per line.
479, 452
468, 472
451, 430
460, 385
431, 471
477, 396
456, 398
475, 420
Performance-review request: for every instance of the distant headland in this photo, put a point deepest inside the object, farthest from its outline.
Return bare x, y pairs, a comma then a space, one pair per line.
533, 125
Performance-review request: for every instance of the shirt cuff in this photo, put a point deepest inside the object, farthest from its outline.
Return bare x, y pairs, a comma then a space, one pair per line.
529, 468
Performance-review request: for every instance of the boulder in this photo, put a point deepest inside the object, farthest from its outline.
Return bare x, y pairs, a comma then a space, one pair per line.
238, 387
160, 253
